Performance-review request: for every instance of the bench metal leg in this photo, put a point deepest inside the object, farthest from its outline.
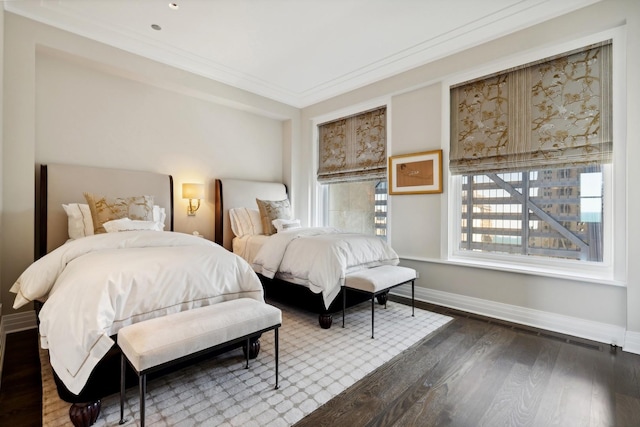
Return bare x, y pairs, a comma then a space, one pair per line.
372, 311
413, 299
142, 378
344, 303
123, 366
247, 353
275, 331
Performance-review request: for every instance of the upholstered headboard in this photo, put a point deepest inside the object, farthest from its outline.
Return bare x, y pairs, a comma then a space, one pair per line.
236, 193
59, 183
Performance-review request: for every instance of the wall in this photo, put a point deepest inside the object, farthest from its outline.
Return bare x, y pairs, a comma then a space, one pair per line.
418, 223
73, 100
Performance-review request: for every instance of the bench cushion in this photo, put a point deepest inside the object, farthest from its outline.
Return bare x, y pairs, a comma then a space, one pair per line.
163, 339
379, 278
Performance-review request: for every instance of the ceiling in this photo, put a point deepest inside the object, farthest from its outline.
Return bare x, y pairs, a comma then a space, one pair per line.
298, 52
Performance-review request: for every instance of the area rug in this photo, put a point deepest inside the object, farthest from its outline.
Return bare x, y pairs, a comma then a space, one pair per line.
315, 366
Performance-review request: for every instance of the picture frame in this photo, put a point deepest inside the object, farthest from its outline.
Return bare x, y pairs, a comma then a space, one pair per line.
416, 173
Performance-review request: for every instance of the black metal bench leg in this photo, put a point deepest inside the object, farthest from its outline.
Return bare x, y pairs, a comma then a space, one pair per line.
122, 387
247, 353
344, 303
277, 350
413, 299
143, 392
372, 311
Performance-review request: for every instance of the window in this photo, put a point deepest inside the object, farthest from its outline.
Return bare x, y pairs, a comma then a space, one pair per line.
534, 213
352, 172
531, 154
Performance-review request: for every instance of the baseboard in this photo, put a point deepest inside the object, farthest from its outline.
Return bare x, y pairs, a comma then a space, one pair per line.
19, 321
632, 342
595, 331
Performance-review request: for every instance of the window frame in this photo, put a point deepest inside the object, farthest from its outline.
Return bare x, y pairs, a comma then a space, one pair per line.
319, 196
612, 270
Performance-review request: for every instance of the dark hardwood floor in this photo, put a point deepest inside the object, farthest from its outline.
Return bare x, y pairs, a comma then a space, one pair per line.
474, 372
21, 389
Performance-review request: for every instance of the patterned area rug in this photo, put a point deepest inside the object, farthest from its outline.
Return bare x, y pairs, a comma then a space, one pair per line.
315, 366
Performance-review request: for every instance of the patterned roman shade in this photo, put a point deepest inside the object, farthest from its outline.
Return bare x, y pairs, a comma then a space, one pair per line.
353, 148
552, 113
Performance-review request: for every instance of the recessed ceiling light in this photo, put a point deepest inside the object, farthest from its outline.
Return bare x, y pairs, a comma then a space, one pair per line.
174, 6
156, 27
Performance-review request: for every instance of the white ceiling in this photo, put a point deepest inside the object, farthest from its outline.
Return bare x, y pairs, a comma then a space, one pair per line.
295, 51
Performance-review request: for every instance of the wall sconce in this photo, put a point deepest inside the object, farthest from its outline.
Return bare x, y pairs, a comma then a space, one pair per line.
191, 192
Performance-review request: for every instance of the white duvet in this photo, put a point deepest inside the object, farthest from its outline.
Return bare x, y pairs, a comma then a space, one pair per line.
321, 257
98, 284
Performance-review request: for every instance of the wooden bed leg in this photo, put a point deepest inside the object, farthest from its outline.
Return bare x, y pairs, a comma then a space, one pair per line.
325, 320
383, 298
254, 348
84, 414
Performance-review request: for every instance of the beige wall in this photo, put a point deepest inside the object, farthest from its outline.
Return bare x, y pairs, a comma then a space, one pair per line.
72, 100
418, 223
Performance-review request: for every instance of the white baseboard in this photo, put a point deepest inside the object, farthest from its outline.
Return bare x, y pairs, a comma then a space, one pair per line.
19, 321
632, 342
595, 331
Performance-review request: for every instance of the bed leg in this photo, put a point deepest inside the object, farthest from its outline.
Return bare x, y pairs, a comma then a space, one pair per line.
84, 414
254, 348
383, 298
325, 320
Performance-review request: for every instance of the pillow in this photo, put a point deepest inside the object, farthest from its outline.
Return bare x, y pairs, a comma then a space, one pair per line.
126, 224
270, 210
79, 220
105, 209
159, 215
245, 221
285, 224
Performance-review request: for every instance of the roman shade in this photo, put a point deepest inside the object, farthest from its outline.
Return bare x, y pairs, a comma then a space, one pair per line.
353, 148
552, 113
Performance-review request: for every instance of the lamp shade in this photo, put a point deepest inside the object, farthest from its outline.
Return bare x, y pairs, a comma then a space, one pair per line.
193, 191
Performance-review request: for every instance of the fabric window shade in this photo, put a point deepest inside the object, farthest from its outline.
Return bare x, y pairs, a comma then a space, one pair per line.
552, 113
353, 148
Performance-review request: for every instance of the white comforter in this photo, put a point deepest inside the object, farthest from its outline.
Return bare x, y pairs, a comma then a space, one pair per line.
321, 257
98, 284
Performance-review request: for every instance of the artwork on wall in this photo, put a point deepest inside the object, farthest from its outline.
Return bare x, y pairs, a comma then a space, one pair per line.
418, 173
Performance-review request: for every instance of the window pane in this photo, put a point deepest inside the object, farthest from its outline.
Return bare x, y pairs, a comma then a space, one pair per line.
358, 206
553, 213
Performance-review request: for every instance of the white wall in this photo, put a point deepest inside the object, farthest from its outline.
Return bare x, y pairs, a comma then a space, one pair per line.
418, 223
73, 100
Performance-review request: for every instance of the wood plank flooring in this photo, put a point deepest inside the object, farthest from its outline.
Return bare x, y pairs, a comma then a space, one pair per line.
474, 372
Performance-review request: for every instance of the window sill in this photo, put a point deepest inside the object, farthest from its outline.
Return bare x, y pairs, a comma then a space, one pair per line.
563, 274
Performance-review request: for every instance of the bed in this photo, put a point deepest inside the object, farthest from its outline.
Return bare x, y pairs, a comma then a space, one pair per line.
87, 287
281, 256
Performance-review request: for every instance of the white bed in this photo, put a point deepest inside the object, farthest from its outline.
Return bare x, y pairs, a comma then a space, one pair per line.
317, 258
88, 287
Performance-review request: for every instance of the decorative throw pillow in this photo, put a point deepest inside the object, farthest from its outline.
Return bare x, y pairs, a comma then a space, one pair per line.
79, 220
286, 224
270, 210
105, 209
245, 221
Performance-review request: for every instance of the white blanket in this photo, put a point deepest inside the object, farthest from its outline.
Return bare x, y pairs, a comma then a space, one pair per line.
321, 257
98, 284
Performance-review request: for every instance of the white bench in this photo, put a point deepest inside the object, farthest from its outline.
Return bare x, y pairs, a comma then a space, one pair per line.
158, 343
378, 280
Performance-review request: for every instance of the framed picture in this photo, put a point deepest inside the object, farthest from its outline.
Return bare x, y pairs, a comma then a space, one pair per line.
418, 173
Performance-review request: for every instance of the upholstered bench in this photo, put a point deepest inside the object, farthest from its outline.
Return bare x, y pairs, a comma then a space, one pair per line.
376, 281
154, 344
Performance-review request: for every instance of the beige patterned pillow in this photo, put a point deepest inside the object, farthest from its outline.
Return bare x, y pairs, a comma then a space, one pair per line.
105, 209
270, 210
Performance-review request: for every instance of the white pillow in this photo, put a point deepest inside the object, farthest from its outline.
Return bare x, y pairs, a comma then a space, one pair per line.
80, 223
245, 221
285, 224
79, 220
126, 224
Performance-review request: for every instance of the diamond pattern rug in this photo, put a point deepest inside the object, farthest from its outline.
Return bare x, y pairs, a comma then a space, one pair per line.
315, 366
